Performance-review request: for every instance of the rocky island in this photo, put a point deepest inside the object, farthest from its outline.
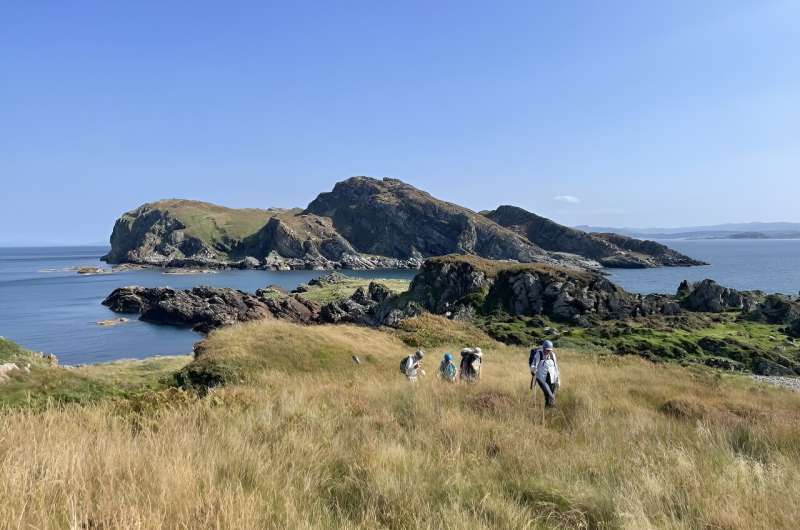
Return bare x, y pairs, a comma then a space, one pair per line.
364, 223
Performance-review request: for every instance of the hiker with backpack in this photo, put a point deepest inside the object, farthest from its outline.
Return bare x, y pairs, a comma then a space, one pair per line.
447, 369
411, 366
471, 362
544, 370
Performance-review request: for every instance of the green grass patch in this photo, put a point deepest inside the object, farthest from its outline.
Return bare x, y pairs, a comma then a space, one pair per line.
344, 289
720, 341
216, 225
37, 383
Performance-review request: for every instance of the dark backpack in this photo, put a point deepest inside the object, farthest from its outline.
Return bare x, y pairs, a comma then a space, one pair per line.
467, 369
403, 364
532, 355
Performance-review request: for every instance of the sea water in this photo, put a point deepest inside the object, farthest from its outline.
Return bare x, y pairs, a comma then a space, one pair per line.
46, 306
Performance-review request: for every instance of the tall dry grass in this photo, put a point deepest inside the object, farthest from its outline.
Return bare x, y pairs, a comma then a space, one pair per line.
630, 445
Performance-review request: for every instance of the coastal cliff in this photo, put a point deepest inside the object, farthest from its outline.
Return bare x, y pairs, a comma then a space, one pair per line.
363, 223
611, 250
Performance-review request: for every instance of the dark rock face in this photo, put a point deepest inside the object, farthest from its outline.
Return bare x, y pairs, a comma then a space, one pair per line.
453, 285
153, 236
207, 308
776, 309
611, 250
442, 285
390, 218
303, 237
202, 308
710, 297
294, 309
794, 328
372, 306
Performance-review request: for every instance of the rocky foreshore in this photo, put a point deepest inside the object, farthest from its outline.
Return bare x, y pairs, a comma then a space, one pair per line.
206, 308
460, 286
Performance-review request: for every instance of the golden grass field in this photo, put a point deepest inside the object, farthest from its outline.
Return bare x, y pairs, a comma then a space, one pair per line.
308, 439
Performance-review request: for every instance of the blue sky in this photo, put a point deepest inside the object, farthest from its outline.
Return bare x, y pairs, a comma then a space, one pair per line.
606, 113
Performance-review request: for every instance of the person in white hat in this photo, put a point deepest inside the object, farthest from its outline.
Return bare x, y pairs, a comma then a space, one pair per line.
544, 369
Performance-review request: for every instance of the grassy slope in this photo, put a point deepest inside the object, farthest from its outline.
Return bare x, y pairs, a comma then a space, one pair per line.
213, 223
341, 290
660, 339
47, 385
313, 440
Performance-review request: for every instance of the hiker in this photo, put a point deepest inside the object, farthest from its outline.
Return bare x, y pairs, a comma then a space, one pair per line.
544, 369
471, 361
447, 368
411, 366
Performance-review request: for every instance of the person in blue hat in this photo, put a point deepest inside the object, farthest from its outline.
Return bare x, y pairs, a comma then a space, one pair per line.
447, 368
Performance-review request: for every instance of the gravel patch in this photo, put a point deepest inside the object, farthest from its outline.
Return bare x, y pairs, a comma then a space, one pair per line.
787, 382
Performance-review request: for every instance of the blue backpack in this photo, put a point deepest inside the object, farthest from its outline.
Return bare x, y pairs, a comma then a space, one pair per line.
450, 371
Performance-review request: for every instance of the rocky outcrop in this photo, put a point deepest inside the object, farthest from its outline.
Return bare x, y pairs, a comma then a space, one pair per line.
776, 309
754, 359
374, 306
363, 223
453, 285
162, 234
202, 308
390, 218
207, 308
709, 297
793, 329
610, 250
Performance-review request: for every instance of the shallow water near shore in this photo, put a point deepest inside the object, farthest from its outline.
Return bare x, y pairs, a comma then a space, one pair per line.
46, 306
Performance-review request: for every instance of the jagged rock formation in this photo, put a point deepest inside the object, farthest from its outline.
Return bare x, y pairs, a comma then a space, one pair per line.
202, 308
179, 232
611, 250
710, 297
207, 308
453, 284
390, 218
778, 309
364, 223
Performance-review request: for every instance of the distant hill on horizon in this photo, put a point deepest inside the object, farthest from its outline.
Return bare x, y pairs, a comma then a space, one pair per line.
752, 230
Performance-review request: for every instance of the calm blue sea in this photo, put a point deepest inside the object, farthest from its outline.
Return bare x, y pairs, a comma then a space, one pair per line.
46, 307
769, 265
